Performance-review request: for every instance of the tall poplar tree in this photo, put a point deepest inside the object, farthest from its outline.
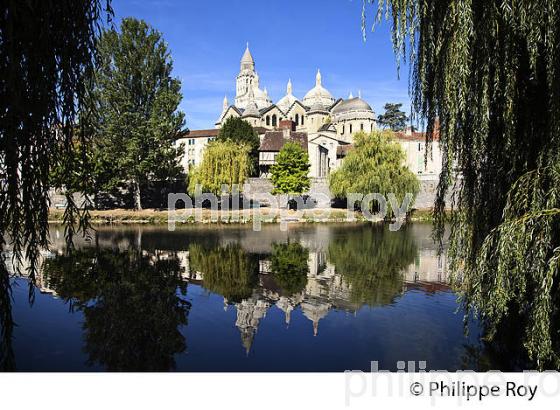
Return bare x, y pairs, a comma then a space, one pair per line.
137, 102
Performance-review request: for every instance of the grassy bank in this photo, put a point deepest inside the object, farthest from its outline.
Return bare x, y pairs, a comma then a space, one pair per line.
154, 217
421, 215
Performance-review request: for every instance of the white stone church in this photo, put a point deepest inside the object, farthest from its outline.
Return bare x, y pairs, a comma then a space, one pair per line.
321, 123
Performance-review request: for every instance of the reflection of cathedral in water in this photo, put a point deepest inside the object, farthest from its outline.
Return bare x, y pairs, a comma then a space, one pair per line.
325, 290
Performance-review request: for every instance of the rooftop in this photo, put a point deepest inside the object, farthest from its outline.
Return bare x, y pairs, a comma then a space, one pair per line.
212, 132
352, 104
273, 141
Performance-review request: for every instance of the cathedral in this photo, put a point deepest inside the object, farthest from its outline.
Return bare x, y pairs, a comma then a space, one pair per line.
328, 122
323, 125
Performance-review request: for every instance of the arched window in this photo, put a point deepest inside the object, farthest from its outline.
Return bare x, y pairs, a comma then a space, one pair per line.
268, 120
361, 126
343, 130
274, 120
372, 126
297, 119
350, 128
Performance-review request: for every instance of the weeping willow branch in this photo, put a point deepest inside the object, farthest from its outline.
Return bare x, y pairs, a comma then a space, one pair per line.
47, 52
488, 71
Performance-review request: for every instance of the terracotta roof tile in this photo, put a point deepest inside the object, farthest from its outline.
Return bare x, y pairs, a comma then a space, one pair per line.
273, 141
414, 136
213, 132
199, 133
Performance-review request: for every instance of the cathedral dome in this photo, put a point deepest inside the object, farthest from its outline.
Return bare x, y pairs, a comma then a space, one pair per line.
353, 108
288, 100
352, 104
318, 94
318, 107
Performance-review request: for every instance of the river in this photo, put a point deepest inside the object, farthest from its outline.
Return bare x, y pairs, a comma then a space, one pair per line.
225, 298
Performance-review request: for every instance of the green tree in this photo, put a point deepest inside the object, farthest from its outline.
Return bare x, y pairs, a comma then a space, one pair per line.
137, 103
289, 174
223, 163
133, 304
372, 261
394, 118
240, 131
374, 165
228, 271
289, 265
489, 72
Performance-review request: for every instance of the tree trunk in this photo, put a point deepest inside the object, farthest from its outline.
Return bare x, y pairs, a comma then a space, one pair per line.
137, 196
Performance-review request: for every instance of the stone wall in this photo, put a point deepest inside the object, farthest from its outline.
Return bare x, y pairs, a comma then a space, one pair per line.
259, 186
154, 195
58, 199
318, 192
424, 201
427, 196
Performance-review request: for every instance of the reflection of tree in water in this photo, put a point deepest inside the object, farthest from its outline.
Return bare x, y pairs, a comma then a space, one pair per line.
228, 271
289, 265
372, 261
503, 351
133, 304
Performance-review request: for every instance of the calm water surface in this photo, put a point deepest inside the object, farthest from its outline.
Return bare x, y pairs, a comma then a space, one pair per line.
314, 298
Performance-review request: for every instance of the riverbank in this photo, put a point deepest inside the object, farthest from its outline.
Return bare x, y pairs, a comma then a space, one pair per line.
154, 217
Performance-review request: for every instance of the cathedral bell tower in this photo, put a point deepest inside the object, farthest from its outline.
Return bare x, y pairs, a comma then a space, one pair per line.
246, 79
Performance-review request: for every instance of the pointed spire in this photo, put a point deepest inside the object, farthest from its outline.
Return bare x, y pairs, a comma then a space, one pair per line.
359, 93
318, 78
225, 106
350, 96
289, 87
247, 59
226, 103
247, 336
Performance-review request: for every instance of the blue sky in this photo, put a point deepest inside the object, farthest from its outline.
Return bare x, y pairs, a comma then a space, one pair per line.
288, 39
